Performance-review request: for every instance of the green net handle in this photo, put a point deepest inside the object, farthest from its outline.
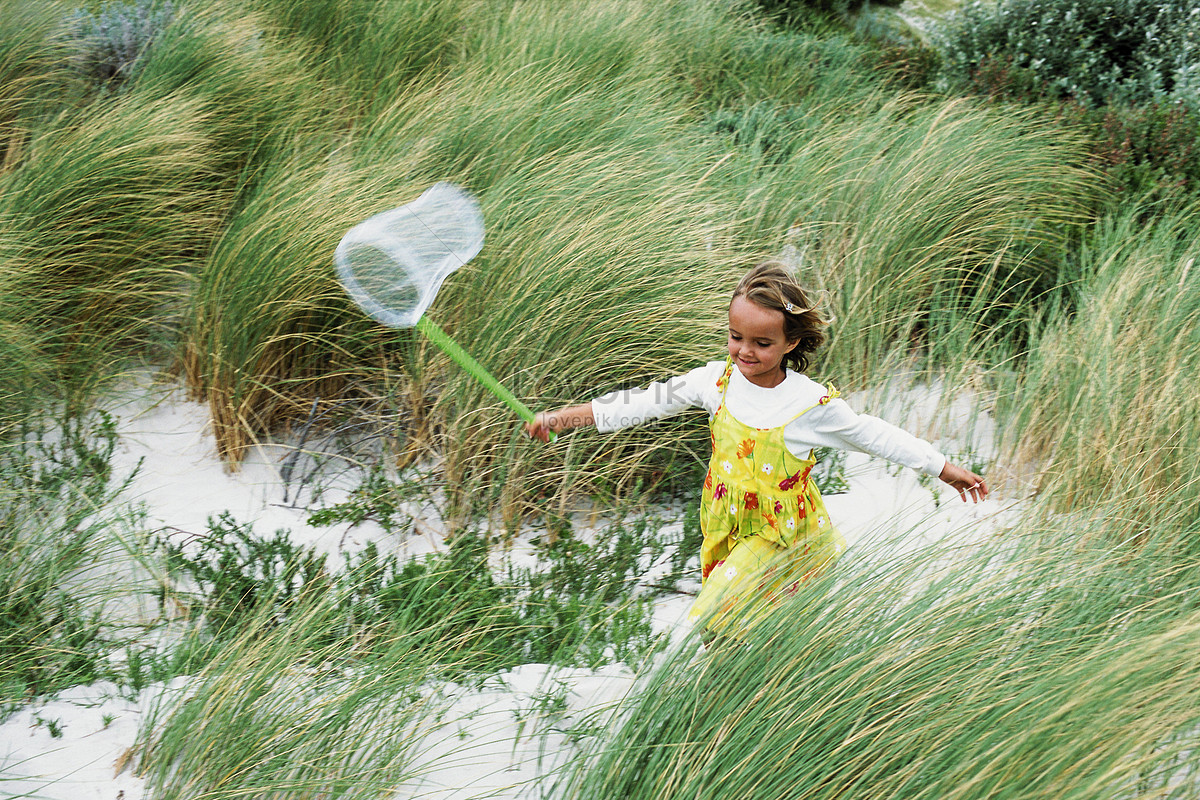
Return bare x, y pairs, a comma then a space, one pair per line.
464, 360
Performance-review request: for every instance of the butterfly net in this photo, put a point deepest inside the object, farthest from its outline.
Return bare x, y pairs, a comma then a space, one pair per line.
393, 263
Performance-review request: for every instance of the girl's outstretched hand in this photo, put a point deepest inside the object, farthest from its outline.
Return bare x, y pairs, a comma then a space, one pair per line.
965, 482
546, 423
539, 428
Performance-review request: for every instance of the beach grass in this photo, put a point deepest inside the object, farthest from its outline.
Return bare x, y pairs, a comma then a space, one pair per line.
1104, 409
1030, 666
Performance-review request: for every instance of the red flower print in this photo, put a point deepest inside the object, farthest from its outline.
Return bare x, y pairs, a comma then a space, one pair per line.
771, 521
778, 507
708, 480
792, 480
751, 501
721, 491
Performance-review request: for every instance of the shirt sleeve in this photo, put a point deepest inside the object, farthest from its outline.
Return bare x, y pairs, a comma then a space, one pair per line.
628, 407
835, 424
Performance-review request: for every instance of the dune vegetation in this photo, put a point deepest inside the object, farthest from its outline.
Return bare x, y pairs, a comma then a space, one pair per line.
174, 177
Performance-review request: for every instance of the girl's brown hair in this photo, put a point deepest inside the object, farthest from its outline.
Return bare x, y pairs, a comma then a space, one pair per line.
771, 285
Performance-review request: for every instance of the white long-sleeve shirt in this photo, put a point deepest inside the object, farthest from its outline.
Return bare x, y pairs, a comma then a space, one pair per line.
833, 424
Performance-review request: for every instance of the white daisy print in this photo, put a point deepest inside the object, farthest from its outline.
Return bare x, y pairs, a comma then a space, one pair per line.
732, 508
731, 573
820, 522
725, 465
791, 524
767, 468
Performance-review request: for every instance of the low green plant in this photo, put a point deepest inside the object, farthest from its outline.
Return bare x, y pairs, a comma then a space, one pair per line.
581, 608
240, 575
379, 499
54, 479
1150, 148
325, 695
794, 12
53, 726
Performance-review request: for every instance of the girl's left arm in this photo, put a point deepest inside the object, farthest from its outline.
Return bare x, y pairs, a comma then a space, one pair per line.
837, 425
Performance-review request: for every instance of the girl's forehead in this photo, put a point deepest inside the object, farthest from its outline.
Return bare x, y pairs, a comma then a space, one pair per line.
750, 319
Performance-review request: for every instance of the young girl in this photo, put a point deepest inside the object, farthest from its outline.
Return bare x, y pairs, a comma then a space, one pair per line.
765, 526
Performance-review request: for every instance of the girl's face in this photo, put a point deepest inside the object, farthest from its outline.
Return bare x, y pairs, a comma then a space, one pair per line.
756, 341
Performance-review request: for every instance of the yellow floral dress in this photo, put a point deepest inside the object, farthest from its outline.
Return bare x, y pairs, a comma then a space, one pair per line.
765, 526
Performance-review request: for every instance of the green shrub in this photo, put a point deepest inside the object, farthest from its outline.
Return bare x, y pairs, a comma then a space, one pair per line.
1151, 147
241, 576
52, 481
580, 608
1097, 53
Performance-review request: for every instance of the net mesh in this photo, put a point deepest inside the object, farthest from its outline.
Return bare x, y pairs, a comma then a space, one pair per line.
393, 263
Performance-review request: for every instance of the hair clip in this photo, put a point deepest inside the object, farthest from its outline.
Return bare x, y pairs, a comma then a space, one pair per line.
791, 309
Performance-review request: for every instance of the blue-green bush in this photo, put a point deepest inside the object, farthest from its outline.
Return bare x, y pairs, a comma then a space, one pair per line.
110, 40
1097, 53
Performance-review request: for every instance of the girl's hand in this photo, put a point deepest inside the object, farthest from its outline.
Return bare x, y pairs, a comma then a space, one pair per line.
540, 427
546, 423
965, 482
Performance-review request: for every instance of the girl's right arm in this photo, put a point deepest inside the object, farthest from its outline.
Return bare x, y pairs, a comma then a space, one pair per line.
564, 419
626, 407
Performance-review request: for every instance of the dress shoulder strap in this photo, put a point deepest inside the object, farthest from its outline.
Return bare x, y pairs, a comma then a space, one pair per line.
824, 400
723, 381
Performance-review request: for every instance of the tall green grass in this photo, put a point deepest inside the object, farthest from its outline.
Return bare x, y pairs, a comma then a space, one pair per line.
561, 160
268, 329
370, 49
1028, 668
604, 188
260, 98
33, 66
102, 224
1106, 409
287, 713
935, 227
